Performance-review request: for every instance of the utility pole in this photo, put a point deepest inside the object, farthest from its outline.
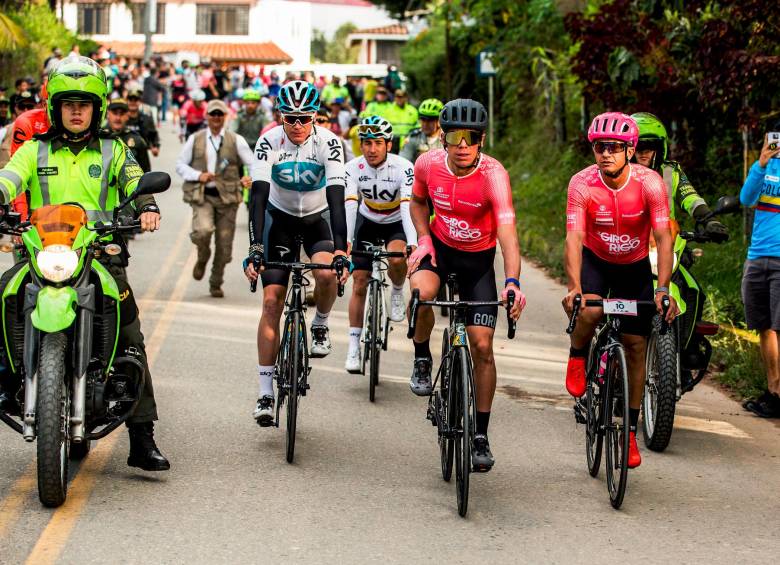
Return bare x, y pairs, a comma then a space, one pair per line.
150, 27
447, 63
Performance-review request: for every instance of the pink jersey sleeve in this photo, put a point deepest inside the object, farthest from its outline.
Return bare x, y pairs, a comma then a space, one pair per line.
577, 203
657, 203
499, 193
421, 169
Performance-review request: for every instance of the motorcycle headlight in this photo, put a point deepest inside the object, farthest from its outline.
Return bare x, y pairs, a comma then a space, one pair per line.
57, 263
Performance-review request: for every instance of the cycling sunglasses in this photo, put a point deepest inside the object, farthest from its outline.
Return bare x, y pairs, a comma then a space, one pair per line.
454, 137
322, 121
25, 107
292, 119
369, 128
611, 147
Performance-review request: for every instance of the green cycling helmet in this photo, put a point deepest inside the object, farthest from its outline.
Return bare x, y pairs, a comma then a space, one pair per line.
430, 108
77, 78
251, 95
651, 129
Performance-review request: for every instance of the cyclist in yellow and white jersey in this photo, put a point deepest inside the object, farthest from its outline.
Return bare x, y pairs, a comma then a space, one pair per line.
378, 189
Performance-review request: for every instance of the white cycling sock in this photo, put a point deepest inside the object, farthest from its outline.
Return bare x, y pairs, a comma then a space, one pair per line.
398, 289
320, 319
266, 374
354, 338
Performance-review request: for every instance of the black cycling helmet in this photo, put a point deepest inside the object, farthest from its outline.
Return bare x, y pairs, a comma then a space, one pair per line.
463, 113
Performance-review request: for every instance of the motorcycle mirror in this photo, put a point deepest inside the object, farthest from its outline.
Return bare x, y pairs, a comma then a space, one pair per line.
152, 182
727, 205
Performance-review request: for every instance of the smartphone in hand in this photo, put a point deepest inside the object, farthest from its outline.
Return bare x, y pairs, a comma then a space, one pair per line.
773, 140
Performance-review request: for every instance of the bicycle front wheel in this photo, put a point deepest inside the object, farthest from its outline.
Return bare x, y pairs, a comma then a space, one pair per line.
446, 418
462, 398
616, 422
294, 371
376, 339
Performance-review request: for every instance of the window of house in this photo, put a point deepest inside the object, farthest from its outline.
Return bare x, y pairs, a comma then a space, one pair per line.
93, 18
221, 19
388, 52
139, 14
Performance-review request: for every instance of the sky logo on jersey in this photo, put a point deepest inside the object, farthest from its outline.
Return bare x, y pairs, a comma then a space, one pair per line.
303, 177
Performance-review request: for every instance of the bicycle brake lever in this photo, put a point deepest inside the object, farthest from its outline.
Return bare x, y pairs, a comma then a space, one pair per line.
413, 305
575, 311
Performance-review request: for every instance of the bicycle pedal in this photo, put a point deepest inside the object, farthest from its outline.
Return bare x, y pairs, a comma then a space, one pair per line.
579, 413
480, 468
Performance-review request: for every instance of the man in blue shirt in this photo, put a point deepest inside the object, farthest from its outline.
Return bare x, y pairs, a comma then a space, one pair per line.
761, 277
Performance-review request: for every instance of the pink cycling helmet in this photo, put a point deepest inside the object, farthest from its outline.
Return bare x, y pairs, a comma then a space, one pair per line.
614, 125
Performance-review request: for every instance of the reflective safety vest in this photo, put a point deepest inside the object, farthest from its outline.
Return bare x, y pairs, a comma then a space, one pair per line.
98, 178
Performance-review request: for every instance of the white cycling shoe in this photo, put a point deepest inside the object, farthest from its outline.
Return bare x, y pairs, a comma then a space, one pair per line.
320, 341
353, 363
397, 307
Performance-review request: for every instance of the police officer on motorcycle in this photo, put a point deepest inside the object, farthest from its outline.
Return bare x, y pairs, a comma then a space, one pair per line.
75, 162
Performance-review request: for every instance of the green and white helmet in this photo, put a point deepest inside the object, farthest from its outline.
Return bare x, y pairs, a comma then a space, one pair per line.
652, 133
77, 78
430, 108
375, 127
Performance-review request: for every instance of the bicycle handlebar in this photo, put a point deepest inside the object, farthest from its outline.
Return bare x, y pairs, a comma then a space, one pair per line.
378, 254
599, 303
295, 266
415, 304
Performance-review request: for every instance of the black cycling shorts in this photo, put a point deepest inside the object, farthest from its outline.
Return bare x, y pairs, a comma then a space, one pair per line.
279, 237
475, 276
372, 233
633, 281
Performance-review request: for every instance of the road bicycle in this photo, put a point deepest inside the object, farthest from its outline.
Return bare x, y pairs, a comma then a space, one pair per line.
292, 368
376, 321
452, 408
605, 411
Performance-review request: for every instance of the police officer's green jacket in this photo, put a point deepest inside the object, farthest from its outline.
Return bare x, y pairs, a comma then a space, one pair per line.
97, 178
418, 143
679, 189
403, 119
375, 108
137, 144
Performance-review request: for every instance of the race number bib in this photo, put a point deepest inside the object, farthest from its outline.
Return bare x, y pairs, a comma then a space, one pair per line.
620, 307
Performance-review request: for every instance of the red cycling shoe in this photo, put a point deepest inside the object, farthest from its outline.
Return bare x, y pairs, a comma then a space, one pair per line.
575, 376
634, 458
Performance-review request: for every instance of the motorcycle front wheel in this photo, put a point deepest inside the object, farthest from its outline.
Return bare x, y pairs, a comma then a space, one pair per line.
660, 398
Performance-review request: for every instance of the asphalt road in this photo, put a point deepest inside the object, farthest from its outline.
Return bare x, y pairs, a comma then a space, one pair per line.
365, 486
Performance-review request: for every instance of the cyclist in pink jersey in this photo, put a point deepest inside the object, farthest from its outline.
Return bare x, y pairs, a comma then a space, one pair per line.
612, 208
472, 201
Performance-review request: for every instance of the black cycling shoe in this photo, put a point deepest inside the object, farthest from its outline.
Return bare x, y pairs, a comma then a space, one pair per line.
481, 457
766, 406
420, 383
144, 452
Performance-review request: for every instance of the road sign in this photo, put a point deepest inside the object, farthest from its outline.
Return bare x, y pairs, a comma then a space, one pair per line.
485, 67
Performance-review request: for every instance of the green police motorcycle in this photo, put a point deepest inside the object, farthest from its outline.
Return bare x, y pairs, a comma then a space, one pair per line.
61, 320
677, 360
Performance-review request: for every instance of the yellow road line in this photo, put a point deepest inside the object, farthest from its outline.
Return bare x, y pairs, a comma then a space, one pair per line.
53, 538
12, 504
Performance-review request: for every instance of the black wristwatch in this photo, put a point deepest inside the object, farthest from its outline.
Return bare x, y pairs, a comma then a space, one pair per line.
150, 208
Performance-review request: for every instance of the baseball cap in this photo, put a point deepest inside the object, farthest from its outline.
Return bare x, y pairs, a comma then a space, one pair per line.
216, 105
135, 93
118, 104
381, 90
400, 92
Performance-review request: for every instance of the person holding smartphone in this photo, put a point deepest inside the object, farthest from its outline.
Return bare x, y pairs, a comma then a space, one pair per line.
761, 275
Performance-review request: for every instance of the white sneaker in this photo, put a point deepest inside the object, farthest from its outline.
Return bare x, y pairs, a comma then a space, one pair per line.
320, 341
397, 307
353, 364
264, 411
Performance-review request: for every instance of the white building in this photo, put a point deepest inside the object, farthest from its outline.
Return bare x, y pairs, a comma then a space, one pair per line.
328, 15
247, 31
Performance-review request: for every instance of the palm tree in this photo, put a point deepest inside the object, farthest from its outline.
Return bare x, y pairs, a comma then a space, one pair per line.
11, 35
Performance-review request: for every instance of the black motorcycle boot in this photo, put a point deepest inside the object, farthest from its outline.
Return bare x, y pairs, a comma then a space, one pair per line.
9, 388
144, 453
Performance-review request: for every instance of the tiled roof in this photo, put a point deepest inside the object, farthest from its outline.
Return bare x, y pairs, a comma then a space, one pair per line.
267, 52
395, 29
361, 3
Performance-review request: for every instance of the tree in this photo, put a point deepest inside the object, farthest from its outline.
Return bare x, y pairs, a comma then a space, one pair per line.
336, 50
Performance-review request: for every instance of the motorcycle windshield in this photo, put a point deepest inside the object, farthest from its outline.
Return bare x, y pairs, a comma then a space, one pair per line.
58, 224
